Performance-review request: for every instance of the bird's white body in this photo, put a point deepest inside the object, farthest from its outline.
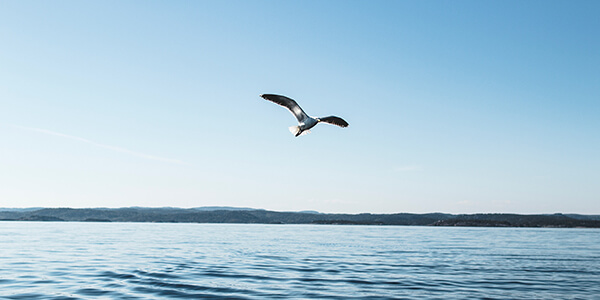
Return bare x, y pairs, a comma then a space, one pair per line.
303, 128
305, 122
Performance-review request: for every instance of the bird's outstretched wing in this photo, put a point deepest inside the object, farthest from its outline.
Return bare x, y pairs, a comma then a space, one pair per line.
335, 121
288, 103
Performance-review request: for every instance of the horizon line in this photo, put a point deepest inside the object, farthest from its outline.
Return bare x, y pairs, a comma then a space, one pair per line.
293, 211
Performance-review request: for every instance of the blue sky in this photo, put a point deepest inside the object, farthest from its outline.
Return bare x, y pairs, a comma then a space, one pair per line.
454, 106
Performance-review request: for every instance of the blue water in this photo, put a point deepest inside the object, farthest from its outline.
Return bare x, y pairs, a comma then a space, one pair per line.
48, 260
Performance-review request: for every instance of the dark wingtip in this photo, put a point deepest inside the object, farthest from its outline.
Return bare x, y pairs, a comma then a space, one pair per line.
266, 96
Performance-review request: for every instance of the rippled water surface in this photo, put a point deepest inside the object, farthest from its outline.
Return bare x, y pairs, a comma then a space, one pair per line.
47, 260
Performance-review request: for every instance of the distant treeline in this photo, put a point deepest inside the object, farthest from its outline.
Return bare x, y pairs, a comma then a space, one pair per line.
258, 216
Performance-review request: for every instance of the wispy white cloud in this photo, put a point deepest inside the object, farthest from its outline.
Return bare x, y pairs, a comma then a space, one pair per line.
113, 148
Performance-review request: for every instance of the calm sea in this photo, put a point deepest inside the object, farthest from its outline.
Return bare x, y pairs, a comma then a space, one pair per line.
47, 260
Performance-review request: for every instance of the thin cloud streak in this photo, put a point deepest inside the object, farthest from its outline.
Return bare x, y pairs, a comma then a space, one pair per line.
113, 148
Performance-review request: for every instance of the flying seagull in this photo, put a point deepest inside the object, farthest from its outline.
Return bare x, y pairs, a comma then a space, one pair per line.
305, 122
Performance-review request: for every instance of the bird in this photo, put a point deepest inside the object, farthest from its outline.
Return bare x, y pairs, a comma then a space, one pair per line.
305, 122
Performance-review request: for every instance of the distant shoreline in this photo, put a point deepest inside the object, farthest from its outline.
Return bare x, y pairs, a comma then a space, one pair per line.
258, 216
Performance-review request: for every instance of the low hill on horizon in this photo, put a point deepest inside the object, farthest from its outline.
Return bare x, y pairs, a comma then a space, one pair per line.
220, 214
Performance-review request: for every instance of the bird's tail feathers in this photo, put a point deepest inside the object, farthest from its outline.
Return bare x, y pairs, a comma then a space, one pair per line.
294, 129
